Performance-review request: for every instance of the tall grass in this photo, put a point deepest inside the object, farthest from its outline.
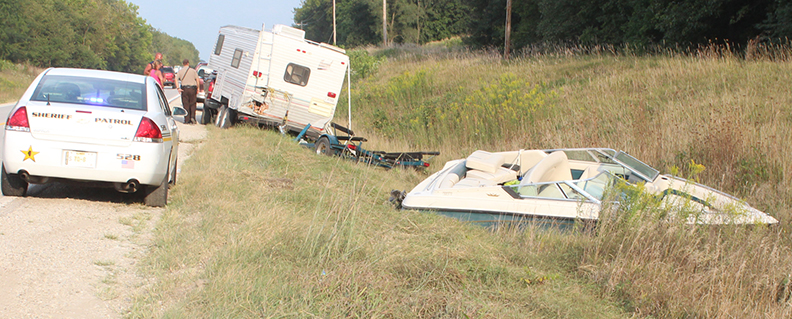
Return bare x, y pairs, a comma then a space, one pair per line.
15, 79
730, 114
259, 227
660, 267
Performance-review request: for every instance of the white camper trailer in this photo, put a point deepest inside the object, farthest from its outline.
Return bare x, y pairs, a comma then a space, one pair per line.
275, 78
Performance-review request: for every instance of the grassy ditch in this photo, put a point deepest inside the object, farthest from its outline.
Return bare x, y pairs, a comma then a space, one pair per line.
259, 227
14, 80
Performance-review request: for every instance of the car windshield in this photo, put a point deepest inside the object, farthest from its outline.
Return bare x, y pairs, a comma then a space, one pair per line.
167, 70
91, 91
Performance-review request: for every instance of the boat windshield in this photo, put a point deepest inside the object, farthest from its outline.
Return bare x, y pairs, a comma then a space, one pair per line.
586, 189
643, 171
596, 186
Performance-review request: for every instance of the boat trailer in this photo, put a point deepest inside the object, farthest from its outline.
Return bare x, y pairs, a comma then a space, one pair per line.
350, 147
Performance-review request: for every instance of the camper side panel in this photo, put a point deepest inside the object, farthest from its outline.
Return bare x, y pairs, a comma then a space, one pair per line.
233, 64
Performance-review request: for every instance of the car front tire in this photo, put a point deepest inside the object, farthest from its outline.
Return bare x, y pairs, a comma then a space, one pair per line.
12, 184
174, 173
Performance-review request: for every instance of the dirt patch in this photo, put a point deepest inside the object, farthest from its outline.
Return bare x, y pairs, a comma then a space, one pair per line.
71, 252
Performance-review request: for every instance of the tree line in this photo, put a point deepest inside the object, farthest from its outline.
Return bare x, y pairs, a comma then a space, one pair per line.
481, 23
99, 34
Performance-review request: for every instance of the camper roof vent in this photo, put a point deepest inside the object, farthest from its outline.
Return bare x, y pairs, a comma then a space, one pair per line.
288, 31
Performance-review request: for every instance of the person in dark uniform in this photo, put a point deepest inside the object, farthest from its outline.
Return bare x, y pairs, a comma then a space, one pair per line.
188, 87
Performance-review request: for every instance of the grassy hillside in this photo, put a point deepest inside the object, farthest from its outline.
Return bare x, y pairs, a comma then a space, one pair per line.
15, 79
731, 115
260, 227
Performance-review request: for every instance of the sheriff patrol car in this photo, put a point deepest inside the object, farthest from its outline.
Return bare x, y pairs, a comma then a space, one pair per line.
107, 128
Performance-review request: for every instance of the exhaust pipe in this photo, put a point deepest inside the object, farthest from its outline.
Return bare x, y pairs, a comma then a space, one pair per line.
130, 186
32, 179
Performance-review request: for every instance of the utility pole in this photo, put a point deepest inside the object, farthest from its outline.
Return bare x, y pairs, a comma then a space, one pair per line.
384, 23
507, 45
334, 24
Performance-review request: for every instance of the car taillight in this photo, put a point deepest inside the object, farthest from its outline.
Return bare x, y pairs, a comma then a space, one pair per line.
148, 131
211, 87
18, 121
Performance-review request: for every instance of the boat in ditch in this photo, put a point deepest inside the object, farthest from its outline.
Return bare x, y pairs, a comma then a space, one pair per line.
564, 186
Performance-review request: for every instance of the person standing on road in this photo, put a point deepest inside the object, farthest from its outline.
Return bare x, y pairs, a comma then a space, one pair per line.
188, 87
150, 65
157, 74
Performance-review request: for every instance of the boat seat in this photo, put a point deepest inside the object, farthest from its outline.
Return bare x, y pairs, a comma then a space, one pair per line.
449, 180
553, 168
484, 161
469, 182
488, 166
500, 176
529, 159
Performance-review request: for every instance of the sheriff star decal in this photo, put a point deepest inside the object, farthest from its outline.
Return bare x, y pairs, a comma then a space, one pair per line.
29, 154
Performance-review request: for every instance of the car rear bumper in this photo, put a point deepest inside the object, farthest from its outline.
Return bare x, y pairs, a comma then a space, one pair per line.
147, 163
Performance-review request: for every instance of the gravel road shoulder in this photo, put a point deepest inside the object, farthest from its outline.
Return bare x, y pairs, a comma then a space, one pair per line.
71, 252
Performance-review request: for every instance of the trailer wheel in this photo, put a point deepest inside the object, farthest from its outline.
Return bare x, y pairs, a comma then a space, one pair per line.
323, 147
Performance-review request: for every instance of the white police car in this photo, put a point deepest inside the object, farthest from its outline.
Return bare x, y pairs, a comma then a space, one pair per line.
92, 126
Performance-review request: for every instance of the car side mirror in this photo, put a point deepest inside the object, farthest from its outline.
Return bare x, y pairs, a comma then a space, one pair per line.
201, 73
179, 111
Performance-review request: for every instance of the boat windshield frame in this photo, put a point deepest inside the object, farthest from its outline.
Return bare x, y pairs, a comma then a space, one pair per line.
573, 184
636, 166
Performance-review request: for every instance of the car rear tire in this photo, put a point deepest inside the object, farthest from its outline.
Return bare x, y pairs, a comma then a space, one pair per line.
323, 147
206, 116
12, 184
157, 196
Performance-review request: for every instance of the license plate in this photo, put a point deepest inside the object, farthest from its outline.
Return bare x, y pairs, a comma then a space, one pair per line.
79, 159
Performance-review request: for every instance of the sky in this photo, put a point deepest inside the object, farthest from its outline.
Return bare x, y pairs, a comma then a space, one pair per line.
198, 21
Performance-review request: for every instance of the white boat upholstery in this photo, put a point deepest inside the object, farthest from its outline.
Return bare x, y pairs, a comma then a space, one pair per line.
502, 175
488, 166
529, 159
474, 182
553, 168
484, 161
449, 180
453, 176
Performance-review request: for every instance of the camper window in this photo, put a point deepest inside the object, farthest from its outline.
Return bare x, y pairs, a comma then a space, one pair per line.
237, 57
297, 74
219, 45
